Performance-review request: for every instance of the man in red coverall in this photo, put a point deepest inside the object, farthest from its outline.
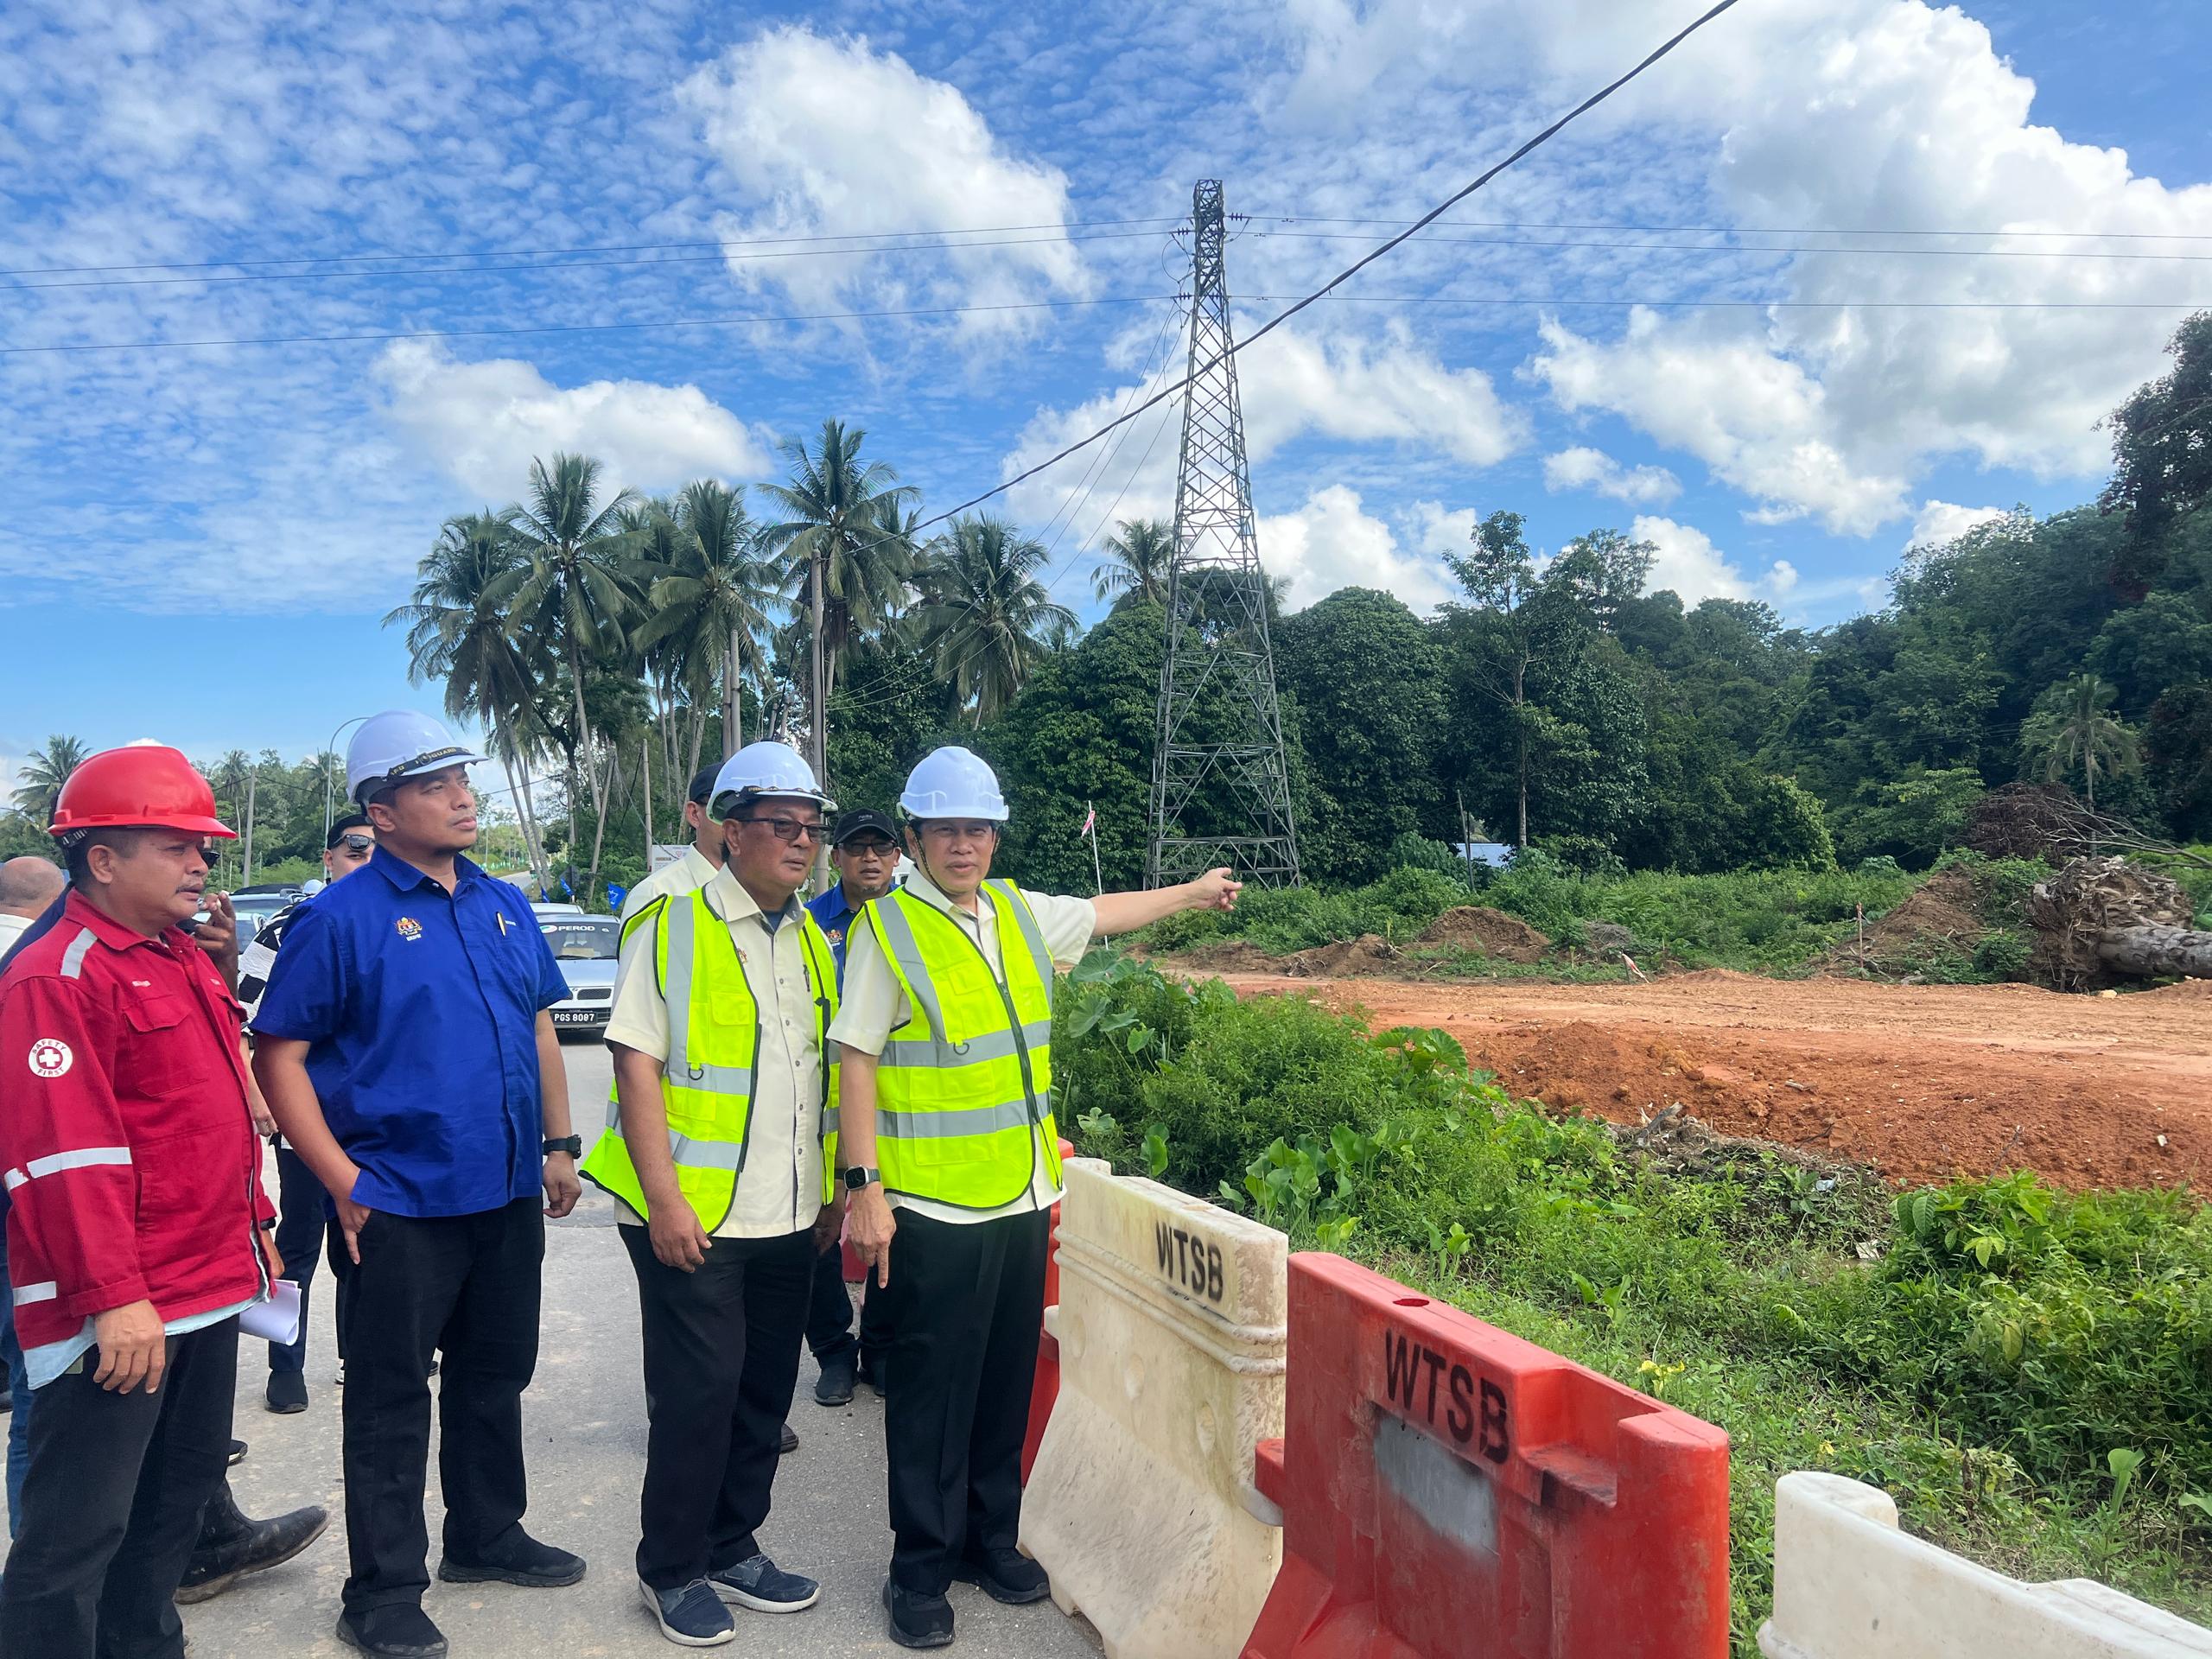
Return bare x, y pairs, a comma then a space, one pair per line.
138, 1228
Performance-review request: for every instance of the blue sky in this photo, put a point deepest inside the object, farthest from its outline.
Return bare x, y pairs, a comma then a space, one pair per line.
202, 540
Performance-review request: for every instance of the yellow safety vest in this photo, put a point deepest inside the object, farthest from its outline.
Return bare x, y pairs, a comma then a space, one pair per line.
965, 1087
714, 1029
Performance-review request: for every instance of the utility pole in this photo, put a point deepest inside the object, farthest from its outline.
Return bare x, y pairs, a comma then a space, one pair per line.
818, 679
645, 772
1220, 784
248, 849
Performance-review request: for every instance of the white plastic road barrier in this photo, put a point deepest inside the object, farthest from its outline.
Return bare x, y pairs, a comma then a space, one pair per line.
1848, 1585
1172, 1324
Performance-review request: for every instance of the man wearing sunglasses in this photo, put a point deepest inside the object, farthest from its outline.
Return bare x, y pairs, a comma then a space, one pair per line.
865, 853
720, 1150
300, 1228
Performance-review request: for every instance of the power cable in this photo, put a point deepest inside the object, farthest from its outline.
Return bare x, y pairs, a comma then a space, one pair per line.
587, 327
1716, 230
1567, 299
616, 247
1700, 247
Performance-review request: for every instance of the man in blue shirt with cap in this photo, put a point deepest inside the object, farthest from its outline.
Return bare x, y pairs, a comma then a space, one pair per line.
405, 1049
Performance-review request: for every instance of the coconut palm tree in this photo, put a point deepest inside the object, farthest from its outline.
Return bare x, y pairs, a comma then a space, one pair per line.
458, 633
709, 601
983, 612
844, 549
39, 780
2069, 729
1137, 559
571, 604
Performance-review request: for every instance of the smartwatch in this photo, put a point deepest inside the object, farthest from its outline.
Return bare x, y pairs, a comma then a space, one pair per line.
571, 1144
858, 1177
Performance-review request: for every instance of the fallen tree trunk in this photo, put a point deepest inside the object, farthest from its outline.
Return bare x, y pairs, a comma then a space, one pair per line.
2102, 920
2157, 952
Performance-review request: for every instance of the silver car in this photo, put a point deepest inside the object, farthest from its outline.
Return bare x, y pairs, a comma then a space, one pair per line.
585, 946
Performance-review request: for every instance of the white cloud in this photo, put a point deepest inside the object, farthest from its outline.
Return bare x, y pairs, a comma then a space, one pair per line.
1582, 468
1331, 543
1877, 113
823, 136
1293, 386
1688, 562
1938, 522
483, 422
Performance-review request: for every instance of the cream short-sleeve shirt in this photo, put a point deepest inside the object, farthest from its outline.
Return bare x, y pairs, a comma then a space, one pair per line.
873, 1005
779, 1190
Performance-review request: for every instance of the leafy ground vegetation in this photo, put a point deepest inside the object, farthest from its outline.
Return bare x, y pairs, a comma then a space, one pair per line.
1959, 924
2029, 1373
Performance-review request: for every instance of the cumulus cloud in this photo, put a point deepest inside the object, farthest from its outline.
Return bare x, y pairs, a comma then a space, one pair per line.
1938, 522
1879, 113
1293, 386
824, 136
1688, 562
1582, 468
483, 422
1332, 542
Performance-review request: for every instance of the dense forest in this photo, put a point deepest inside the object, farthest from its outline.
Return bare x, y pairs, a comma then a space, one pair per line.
1555, 702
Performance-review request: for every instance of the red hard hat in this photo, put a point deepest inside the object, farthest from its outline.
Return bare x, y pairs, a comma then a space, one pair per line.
147, 786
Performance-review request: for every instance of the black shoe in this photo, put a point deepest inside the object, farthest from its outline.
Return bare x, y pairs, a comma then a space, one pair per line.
835, 1386
400, 1631
520, 1561
765, 1587
871, 1372
1005, 1575
790, 1442
917, 1621
287, 1392
255, 1547
238, 1453
692, 1616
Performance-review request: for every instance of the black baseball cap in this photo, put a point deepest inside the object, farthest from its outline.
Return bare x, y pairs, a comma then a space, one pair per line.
703, 786
864, 821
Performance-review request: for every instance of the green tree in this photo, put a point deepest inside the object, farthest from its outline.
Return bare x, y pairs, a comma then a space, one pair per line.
2162, 442
1367, 677
845, 540
709, 604
39, 780
1138, 557
570, 604
986, 618
2071, 735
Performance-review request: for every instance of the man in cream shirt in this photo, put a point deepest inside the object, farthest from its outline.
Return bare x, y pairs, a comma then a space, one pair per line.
719, 1032
700, 859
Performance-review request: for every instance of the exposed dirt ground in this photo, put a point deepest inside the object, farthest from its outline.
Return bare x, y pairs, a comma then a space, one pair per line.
1926, 1081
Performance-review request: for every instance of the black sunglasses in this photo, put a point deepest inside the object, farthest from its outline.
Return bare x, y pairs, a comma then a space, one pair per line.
786, 830
356, 844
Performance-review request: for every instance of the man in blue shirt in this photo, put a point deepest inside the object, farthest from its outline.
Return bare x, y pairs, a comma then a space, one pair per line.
865, 852
403, 1047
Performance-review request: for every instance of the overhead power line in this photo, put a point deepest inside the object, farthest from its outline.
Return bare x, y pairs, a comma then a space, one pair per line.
1721, 230
1764, 248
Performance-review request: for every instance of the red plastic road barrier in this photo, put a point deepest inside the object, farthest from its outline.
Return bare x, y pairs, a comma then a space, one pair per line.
1450, 1491
1044, 1386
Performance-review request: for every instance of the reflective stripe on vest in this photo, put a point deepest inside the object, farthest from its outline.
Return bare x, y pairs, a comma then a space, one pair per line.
964, 1088
707, 1079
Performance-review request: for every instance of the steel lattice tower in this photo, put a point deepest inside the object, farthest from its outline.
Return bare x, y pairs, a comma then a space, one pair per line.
1220, 786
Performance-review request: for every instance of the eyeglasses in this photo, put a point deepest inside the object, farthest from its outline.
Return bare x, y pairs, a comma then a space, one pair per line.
360, 846
787, 829
860, 848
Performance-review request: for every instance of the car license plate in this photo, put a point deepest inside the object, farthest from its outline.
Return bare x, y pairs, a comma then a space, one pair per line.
575, 1017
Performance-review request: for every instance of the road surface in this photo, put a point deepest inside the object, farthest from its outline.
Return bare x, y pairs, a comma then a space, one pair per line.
585, 1423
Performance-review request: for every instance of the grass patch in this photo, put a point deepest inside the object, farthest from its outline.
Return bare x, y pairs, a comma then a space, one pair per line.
1980, 1350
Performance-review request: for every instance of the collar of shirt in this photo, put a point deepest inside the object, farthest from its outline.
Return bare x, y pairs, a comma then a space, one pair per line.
728, 899
930, 893
406, 878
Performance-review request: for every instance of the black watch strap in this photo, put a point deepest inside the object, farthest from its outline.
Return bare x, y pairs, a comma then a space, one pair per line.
571, 1144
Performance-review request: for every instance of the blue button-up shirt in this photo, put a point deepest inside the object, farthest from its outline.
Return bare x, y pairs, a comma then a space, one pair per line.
834, 917
422, 1010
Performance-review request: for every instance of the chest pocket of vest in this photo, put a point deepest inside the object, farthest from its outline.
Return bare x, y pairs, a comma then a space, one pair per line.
964, 976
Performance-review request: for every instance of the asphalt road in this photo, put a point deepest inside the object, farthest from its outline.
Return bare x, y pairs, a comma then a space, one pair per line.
585, 1423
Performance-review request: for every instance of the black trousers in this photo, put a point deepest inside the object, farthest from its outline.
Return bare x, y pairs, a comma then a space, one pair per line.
721, 1357
966, 1305
829, 1313
466, 1287
111, 1505
299, 1239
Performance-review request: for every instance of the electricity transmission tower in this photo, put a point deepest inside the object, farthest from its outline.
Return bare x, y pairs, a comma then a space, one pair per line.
1220, 787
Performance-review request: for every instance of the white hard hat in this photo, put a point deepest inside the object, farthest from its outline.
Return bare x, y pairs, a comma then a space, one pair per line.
400, 743
765, 771
954, 783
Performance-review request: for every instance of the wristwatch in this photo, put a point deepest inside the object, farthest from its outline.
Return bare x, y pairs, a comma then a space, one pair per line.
858, 1177
571, 1144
